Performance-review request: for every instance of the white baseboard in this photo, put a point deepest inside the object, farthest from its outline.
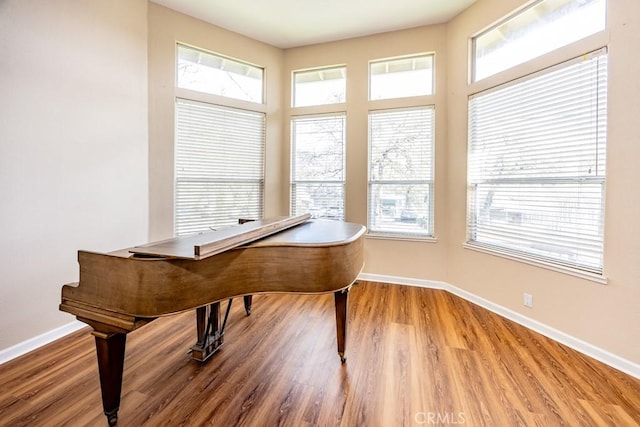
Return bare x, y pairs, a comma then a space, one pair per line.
38, 341
584, 347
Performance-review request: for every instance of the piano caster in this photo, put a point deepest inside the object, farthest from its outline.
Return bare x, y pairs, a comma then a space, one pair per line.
343, 359
112, 418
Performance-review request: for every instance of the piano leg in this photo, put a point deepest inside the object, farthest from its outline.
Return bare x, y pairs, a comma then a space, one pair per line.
341, 298
110, 350
201, 325
248, 300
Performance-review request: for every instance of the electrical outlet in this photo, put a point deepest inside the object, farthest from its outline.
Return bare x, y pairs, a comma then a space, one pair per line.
528, 300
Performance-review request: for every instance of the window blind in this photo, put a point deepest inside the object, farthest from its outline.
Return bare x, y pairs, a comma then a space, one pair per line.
401, 171
536, 171
317, 166
219, 166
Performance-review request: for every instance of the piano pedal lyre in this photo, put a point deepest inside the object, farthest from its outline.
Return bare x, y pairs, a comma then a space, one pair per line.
210, 330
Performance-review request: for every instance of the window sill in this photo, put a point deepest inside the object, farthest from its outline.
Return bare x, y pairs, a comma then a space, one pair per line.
408, 238
594, 277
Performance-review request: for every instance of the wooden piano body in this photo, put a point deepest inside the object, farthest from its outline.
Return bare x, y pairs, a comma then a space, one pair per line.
121, 291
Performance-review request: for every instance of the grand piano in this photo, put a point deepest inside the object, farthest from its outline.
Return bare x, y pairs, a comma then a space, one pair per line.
124, 290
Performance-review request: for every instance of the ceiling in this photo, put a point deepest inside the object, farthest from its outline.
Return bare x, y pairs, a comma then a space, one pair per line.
291, 23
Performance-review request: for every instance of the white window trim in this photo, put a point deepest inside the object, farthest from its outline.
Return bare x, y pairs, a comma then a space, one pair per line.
193, 95
401, 237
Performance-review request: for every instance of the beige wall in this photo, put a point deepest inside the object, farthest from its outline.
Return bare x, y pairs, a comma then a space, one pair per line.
607, 316
73, 148
166, 27
416, 259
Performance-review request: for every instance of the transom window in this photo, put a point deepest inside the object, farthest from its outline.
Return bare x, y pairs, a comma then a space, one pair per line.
218, 75
542, 27
320, 86
401, 77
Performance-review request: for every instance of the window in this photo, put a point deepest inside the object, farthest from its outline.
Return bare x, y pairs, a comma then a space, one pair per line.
219, 166
218, 75
545, 26
319, 87
318, 144
537, 144
401, 171
317, 165
219, 150
537, 165
401, 77
401, 149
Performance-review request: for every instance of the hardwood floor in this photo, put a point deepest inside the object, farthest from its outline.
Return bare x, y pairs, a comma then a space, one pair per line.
414, 357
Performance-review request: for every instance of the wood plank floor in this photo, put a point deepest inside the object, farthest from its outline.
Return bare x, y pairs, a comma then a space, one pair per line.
414, 357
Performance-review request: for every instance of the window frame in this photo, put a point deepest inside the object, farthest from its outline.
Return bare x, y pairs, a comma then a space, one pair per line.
374, 231
342, 68
294, 167
429, 55
431, 100
513, 16
191, 95
592, 43
221, 57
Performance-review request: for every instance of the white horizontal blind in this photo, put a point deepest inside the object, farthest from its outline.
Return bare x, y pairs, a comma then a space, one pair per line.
219, 166
537, 165
317, 166
401, 171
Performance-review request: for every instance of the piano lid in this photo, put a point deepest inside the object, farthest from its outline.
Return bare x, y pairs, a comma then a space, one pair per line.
203, 245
